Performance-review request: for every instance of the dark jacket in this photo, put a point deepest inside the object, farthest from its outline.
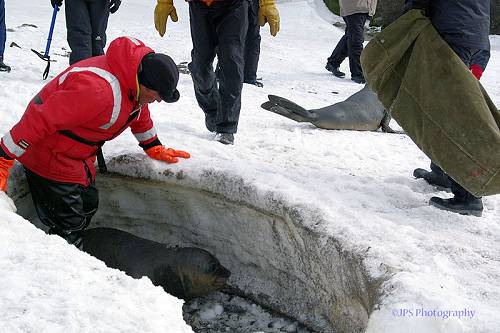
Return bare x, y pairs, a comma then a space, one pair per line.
462, 22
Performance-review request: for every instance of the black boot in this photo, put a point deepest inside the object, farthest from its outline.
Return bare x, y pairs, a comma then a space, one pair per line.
255, 83
4, 67
440, 180
334, 70
468, 206
74, 238
225, 138
358, 79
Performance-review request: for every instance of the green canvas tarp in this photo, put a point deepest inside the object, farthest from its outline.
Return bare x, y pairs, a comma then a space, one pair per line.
441, 106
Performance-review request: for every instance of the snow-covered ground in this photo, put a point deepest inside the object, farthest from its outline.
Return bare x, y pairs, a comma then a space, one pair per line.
360, 181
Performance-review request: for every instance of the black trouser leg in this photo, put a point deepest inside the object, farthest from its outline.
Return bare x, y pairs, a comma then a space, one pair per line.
231, 32
99, 15
355, 39
66, 208
79, 30
339, 52
86, 22
219, 28
252, 43
205, 41
3, 29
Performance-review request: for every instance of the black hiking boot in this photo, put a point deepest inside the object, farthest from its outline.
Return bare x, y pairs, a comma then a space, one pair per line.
335, 71
358, 79
225, 138
4, 67
74, 238
440, 180
255, 83
471, 206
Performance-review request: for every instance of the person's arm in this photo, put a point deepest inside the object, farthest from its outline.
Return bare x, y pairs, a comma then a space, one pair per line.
145, 132
479, 62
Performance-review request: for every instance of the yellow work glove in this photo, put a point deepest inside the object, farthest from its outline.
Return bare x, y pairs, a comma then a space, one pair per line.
269, 13
164, 9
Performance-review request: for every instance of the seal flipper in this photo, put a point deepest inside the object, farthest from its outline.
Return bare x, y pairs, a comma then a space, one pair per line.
385, 124
291, 106
270, 106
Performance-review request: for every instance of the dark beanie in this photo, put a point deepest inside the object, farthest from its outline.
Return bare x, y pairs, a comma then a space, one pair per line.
159, 73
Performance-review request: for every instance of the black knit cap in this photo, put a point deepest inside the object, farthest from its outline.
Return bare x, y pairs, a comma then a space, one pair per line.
159, 73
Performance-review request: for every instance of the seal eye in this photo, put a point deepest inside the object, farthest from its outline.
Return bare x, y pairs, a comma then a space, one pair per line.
213, 267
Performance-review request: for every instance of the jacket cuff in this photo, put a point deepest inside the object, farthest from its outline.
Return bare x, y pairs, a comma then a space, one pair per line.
477, 71
3, 154
155, 142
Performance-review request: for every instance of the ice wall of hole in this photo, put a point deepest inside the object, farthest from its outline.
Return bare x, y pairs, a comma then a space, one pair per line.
275, 261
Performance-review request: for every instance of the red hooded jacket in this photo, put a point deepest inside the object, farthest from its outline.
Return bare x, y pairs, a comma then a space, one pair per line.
92, 99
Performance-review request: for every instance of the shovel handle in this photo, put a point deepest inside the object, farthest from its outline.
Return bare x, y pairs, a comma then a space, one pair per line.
52, 24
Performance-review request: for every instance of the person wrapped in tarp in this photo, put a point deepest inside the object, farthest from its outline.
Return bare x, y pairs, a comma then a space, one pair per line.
425, 69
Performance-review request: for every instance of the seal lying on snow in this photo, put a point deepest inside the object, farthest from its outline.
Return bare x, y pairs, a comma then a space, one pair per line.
185, 272
362, 111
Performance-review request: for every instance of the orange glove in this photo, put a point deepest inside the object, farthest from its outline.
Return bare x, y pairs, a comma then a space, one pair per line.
168, 155
5, 165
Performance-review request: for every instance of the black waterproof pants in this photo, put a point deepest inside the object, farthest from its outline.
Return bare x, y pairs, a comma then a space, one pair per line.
86, 22
66, 208
218, 29
3, 29
468, 55
351, 44
252, 43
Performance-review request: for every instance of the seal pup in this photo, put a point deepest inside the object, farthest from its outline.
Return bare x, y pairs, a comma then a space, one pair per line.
361, 111
184, 272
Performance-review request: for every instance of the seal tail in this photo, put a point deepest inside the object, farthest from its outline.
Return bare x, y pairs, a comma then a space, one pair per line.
270, 106
289, 105
287, 108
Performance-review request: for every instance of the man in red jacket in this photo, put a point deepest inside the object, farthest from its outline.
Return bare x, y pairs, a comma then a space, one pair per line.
68, 121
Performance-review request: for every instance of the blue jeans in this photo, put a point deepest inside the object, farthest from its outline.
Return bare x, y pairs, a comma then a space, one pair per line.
3, 33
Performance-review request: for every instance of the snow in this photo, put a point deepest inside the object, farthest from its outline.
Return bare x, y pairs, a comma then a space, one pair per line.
360, 182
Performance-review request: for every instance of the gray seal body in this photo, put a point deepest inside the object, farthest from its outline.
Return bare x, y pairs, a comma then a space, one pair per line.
184, 272
361, 111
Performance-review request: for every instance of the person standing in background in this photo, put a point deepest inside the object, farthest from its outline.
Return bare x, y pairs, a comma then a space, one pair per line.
218, 28
3, 37
86, 23
355, 13
252, 46
465, 26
